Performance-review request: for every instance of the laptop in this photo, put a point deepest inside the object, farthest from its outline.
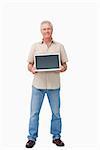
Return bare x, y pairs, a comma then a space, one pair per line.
47, 62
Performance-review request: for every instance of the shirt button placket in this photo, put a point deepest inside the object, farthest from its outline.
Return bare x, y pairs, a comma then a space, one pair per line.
46, 72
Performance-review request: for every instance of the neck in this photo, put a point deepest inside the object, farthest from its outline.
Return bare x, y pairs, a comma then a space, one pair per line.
47, 40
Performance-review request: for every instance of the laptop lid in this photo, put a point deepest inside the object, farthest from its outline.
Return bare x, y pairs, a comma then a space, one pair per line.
47, 62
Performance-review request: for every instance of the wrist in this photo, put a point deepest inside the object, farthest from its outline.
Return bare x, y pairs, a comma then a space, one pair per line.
63, 68
30, 67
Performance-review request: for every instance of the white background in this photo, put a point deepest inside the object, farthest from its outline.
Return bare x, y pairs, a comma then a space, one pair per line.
75, 26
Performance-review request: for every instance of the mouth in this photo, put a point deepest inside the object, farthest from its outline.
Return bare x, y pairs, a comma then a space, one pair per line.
47, 33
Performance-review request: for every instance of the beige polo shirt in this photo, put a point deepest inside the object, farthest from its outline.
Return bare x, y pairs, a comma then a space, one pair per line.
47, 80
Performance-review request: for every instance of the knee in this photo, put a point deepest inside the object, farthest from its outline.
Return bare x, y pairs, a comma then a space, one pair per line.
34, 114
56, 116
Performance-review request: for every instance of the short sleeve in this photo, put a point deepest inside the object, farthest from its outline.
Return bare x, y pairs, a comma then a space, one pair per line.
63, 54
31, 54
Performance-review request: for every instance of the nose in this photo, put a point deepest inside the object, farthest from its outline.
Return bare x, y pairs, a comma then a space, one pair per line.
46, 30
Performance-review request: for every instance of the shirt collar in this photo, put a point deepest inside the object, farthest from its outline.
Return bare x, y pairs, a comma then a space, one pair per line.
52, 41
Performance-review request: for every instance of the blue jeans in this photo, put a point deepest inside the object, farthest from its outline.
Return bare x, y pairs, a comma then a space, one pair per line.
36, 103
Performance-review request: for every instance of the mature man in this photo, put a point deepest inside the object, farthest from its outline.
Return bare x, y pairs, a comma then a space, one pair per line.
46, 83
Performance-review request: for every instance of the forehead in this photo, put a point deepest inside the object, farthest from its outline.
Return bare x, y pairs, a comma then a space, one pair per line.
45, 25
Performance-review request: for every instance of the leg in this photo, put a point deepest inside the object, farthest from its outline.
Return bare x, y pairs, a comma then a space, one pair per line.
36, 103
54, 101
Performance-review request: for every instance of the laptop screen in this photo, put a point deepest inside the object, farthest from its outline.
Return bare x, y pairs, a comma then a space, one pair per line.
47, 61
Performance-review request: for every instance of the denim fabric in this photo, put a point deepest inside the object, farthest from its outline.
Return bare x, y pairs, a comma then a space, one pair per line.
36, 103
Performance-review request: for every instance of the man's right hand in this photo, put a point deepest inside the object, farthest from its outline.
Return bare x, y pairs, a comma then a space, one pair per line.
31, 68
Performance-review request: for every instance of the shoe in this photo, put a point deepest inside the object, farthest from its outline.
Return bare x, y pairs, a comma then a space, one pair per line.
58, 142
30, 144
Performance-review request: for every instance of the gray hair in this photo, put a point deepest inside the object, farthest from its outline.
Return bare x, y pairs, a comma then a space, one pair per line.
48, 22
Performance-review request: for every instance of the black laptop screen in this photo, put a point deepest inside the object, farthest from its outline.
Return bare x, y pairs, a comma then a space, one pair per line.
47, 61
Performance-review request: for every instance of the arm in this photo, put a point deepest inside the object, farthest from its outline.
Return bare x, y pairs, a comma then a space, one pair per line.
31, 68
63, 67
64, 59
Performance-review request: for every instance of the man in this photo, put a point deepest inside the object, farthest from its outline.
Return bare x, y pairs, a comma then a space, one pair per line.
46, 83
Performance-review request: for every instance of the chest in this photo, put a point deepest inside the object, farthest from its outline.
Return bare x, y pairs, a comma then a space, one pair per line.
44, 49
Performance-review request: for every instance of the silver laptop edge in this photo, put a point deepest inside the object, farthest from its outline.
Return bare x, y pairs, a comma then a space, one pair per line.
42, 70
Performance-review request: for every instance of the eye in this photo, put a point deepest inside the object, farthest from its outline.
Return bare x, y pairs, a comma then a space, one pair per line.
49, 28
44, 29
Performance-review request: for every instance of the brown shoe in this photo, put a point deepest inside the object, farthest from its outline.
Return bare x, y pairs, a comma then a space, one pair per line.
58, 142
30, 144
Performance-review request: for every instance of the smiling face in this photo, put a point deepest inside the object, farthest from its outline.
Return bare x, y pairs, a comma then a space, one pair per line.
46, 31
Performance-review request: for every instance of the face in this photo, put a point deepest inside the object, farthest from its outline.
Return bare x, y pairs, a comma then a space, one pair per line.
46, 31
